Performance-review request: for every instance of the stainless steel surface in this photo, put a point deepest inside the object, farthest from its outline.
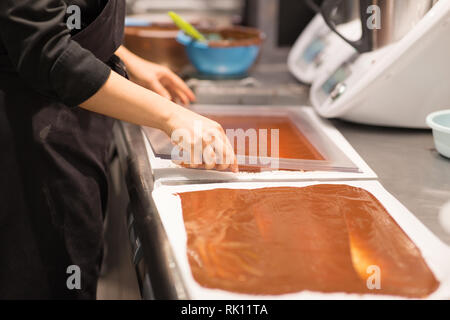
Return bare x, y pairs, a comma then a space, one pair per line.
158, 272
405, 160
267, 84
211, 12
231, 6
338, 91
383, 21
408, 166
398, 17
118, 279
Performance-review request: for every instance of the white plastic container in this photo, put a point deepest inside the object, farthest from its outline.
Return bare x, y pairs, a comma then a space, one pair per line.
341, 162
440, 123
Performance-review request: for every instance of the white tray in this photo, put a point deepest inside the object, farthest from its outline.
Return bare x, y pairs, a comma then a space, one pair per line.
435, 253
321, 133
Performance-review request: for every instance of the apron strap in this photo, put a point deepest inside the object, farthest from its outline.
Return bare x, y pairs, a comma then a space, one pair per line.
105, 34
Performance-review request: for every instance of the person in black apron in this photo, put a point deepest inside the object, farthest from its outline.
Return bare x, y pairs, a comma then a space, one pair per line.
59, 90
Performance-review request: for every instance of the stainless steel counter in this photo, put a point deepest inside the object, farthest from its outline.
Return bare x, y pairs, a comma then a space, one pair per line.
408, 166
405, 160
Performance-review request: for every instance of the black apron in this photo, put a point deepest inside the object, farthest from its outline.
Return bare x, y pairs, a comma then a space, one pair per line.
54, 179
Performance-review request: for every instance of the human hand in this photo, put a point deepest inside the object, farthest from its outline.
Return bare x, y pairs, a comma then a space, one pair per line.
203, 142
157, 78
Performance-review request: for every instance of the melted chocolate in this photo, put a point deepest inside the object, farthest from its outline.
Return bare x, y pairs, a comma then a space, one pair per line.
283, 240
292, 143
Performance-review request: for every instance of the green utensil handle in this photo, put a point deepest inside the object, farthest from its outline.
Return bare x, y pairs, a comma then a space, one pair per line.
188, 28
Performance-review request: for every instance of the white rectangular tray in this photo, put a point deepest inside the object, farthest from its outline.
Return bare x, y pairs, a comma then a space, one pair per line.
328, 138
435, 252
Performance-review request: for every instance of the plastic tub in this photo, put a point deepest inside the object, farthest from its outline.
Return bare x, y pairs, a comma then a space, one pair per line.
440, 123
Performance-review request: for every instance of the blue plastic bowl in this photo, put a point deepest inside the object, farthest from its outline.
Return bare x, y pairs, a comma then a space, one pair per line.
440, 123
233, 58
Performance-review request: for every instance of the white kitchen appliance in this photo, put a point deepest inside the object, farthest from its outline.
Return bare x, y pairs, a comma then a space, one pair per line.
315, 49
317, 45
395, 83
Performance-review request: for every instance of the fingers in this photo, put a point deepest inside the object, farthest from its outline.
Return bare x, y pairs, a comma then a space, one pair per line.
180, 87
189, 158
225, 155
201, 143
219, 152
170, 91
209, 148
157, 87
179, 96
222, 153
163, 81
209, 157
234, 163
228, 156
216, 153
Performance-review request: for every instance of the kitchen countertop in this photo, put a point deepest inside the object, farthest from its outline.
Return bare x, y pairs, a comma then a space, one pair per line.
408, 166
405, 160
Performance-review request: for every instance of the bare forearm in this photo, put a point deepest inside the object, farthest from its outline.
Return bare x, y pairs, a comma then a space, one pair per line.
126, 55
121, 99
155, 77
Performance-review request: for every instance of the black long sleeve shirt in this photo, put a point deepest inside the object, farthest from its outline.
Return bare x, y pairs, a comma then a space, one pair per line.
35, 37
